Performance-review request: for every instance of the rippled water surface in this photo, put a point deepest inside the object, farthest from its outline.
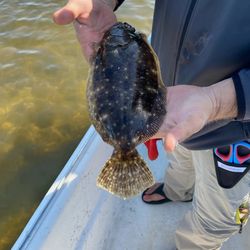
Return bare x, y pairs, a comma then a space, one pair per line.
42, 102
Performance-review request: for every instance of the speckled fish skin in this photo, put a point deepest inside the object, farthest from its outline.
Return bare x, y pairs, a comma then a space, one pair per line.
126, 99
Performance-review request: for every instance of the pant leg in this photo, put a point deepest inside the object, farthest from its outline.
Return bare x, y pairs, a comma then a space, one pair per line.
212, 219
180, 175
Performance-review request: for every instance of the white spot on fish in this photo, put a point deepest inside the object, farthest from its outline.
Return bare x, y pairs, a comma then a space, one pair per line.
134, 140
150, 89
139, 109
104, 117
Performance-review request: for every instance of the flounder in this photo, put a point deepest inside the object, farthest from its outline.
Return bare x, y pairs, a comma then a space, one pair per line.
126, 101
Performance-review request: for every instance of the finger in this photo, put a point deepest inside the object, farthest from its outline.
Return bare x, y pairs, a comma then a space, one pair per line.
70, 12
170, 142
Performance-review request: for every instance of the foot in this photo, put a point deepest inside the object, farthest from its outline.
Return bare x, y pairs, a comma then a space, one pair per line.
155, 194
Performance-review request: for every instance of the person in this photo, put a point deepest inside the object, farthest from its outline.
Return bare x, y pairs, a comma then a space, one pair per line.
203, 48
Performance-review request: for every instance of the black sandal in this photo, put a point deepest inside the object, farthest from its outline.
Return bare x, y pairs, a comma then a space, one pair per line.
159, 191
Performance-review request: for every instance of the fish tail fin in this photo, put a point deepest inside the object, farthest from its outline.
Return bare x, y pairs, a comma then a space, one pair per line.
125, 174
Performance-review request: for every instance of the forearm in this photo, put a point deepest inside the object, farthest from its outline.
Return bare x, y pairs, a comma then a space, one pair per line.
223, 99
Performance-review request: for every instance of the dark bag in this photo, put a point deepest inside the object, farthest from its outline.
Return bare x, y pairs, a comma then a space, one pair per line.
232, 163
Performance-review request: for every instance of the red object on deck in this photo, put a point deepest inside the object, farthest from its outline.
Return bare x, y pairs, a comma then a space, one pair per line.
152, 149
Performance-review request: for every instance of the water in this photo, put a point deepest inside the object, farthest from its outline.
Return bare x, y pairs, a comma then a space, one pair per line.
43, 111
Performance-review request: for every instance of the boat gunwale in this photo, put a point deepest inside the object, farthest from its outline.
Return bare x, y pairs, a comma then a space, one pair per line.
54, 190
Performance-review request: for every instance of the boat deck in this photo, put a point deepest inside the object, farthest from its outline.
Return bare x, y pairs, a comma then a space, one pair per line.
75, 214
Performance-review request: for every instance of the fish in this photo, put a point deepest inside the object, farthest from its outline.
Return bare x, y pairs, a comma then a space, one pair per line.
126, 104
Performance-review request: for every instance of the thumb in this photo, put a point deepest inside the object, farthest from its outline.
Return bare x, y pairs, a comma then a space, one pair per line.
68, 13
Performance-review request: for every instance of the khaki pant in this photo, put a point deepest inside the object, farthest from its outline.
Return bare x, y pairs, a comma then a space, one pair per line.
212, 218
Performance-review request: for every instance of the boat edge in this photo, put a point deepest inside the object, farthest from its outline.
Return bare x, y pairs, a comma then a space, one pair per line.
28, 230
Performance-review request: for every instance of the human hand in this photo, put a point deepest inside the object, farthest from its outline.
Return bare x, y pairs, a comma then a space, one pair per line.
189, 108
91, 19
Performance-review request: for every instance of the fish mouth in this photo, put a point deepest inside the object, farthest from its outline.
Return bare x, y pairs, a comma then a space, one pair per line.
120, 34
124, 26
